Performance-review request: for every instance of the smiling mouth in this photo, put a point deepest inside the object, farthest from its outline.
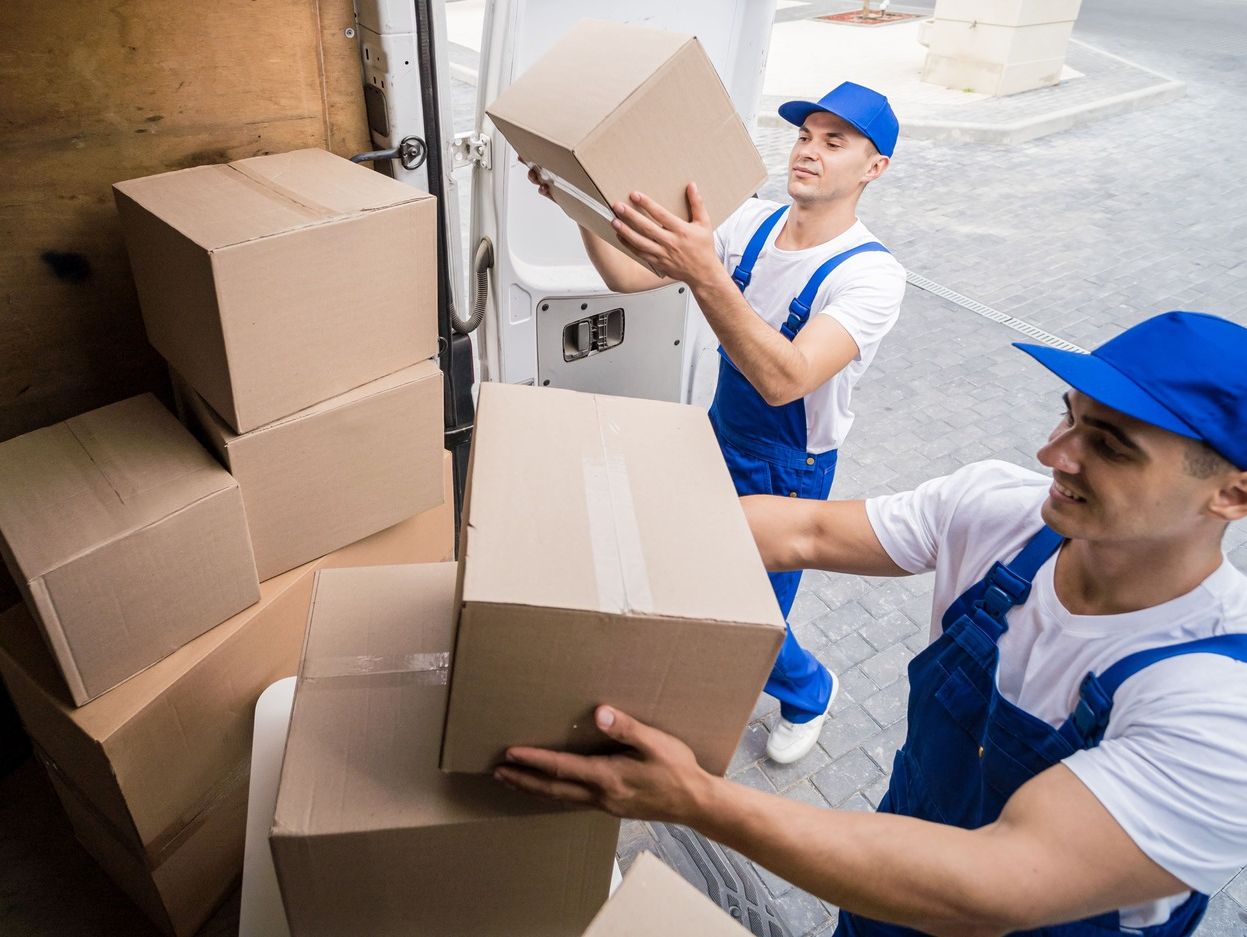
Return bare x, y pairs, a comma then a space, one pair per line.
1067, 493
803, 171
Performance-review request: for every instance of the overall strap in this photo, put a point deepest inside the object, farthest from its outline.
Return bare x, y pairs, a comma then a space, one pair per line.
1007, 585
744, 270
799, 308
1085, 727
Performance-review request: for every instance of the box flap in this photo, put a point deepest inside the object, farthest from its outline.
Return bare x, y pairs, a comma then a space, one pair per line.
230, 203
366, 730
606, 504
72, 487
655, 901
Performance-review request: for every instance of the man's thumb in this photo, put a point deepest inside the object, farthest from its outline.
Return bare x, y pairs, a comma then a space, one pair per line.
697, 208
618, 726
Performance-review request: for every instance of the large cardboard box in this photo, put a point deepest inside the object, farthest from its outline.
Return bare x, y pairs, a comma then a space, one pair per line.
126, 538
369, 837
654, 901
337, 471
649, 113
154, 773
276, 282
604, 558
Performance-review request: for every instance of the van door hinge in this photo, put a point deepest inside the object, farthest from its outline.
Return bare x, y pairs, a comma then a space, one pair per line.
471, 149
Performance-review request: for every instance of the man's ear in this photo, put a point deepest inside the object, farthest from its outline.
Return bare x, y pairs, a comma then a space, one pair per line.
1230, 501
878, 166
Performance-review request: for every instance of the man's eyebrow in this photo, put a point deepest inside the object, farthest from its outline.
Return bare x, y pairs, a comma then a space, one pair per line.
1115, 431
831, 134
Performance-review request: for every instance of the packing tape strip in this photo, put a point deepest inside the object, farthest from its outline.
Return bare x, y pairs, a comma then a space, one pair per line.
166, 842
578, 194
618, 558
298, 201
430, 669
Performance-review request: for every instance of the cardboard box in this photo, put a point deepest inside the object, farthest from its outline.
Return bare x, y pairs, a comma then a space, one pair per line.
655, 901
369, 837
335, 472
647, 109
189, 879
126, 538
276, 282
604, 559
154, 774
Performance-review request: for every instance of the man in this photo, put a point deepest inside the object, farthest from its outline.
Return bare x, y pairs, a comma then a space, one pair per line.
799, 296
1077, 739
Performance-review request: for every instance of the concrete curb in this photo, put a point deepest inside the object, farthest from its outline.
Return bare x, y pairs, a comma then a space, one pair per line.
1030, 128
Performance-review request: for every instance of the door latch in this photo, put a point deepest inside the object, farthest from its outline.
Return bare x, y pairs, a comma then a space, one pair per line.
471, 149
410, 152
597, 333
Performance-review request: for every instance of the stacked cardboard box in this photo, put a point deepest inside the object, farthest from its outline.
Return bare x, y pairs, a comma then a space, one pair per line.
153, 774
369, 837
127, 539
655, 901
604, 558
295, 296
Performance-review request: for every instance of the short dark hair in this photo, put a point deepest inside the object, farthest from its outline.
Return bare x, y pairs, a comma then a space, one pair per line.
1202, 461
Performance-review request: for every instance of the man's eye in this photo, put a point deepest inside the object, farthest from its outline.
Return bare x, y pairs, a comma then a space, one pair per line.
1068, 418
1115, 455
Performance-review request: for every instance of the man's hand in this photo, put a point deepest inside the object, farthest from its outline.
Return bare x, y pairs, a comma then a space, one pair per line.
670, 246
534, 176
658, 779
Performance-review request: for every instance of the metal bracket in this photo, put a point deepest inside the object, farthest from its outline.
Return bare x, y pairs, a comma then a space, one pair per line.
471, 149
410, 152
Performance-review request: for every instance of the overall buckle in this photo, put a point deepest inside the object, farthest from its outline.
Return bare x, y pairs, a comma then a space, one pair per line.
741, 278
1090, 716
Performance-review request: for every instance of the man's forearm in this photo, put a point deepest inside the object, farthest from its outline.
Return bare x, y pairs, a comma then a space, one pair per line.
922, 875
776, 369
801, 533
618, 271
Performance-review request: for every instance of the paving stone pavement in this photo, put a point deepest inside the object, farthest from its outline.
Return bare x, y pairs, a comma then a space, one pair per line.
1081, 233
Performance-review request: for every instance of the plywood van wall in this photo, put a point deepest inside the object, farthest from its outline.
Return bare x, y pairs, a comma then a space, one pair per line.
95, 91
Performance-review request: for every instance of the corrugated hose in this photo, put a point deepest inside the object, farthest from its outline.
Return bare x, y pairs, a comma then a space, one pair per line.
482, 262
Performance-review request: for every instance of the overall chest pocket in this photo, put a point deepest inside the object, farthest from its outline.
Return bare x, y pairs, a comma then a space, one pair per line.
964, 703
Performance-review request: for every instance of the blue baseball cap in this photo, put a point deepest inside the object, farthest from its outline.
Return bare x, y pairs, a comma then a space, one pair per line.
867, 110
1182, 371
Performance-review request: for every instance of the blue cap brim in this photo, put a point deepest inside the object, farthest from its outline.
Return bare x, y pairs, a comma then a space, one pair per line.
795, 112
1102, 382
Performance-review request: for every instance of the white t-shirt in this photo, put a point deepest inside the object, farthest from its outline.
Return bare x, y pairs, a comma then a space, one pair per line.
863, 294
1172, 768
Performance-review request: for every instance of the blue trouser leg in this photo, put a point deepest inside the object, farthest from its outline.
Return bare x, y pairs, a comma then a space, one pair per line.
800, 683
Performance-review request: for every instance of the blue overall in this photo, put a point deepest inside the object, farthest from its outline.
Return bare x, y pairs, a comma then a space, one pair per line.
968, 748
765, 450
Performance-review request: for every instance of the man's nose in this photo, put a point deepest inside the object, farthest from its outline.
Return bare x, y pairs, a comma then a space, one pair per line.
1061, 453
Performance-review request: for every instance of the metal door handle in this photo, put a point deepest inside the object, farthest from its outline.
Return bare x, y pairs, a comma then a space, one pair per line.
410, 151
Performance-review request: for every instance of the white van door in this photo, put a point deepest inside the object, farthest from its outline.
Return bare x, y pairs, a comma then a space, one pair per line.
407, 93
548, 319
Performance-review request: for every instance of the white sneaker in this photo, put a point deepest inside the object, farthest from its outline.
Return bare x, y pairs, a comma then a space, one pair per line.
790, 742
